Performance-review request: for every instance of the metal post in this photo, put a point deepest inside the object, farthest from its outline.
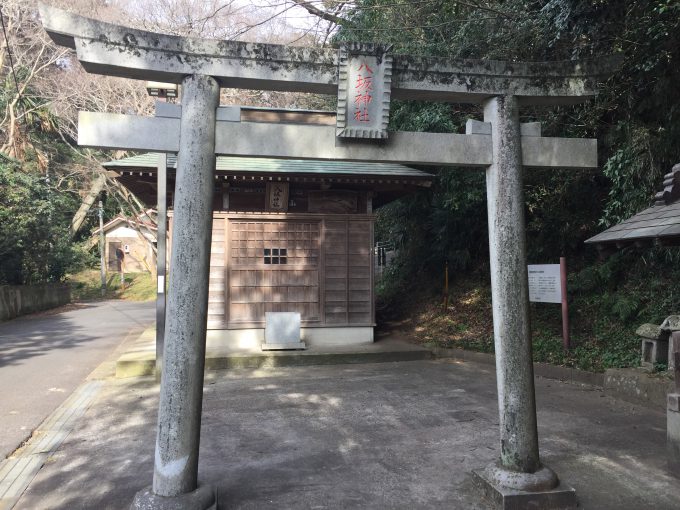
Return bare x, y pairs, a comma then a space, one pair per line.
161, 253
102, 248
519, 466
175, 479
565, 305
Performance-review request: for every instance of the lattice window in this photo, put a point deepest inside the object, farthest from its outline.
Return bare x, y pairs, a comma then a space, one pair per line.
275, 256
273, 243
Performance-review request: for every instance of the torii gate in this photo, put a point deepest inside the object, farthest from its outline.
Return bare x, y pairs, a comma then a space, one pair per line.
499, 144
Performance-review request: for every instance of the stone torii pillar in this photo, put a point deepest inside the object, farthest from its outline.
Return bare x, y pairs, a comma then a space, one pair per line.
519, 467
175, 478
202, 130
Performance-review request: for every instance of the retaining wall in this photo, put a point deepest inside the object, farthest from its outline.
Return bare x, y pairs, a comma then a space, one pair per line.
24, 299
630, 384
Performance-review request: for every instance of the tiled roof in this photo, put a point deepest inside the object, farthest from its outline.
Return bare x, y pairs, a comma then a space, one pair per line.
280, 166
660, 221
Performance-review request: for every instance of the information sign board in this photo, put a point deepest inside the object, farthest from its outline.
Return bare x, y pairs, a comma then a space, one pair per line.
544, 283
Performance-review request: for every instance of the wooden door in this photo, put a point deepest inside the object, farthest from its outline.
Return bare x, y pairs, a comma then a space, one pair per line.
273, 267
115, 249
348, 297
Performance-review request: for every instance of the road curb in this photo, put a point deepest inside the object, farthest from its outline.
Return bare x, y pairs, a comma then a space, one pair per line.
18, 470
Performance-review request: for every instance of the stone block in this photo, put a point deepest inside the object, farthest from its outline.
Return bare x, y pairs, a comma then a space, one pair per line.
674, 402
288, 346
585, 377
168, 110
673, 346
653, 352
673, 441
282, 331
451, 353
480, 357
477, 127
553, 372
530, 129
228, 114
671, 323
562, 497
636, 386
651, 331
203, 498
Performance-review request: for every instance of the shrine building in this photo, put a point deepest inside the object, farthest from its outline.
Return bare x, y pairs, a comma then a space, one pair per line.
288, 236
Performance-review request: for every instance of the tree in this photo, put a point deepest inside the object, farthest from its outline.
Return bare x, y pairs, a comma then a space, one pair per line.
34, 245
635, 117
44, 87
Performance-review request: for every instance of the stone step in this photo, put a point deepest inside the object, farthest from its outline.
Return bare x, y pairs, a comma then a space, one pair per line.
290, 346
137, 364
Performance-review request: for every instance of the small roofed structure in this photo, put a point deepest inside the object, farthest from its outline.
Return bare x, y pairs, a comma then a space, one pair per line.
658, 224
289, 236
129, 244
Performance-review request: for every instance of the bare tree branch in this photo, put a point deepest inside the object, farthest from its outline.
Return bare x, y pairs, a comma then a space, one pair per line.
325, 15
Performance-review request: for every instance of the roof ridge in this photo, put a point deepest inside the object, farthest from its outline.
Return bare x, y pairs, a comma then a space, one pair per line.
671, 187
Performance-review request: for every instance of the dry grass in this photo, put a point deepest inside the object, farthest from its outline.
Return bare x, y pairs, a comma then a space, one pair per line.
466, 323
86, 286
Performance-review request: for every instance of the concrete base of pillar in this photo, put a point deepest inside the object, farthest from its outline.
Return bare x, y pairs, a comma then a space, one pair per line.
292, 346
203, 498
673, 433
546, 493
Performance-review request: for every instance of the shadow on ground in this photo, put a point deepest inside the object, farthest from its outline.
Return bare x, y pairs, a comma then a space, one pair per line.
389, 435
41, 335
37, 334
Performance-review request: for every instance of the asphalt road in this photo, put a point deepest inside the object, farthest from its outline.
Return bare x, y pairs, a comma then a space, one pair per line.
43, 359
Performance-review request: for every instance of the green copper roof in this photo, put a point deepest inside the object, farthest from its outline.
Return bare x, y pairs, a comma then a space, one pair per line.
279, 166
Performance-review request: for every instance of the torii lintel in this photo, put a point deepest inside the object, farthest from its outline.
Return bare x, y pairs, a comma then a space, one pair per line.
114, 50
299, 141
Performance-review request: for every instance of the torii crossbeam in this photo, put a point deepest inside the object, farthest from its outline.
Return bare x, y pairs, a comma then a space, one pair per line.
499, 144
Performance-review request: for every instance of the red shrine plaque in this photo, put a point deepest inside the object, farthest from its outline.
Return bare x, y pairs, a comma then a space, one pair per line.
364, 87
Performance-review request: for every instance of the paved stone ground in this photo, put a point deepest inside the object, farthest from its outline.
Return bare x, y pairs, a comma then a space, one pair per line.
389, 435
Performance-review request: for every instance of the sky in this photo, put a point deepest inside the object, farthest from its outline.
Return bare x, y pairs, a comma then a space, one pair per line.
275, 21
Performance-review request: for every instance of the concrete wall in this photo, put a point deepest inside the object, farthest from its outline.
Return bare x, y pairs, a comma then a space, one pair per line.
252, 338
25, 299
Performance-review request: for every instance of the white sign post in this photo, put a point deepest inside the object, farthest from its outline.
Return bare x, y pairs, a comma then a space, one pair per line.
548, 284
544, 283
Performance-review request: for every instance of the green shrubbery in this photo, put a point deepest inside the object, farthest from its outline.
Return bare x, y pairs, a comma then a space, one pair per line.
636, 119
608, 301
34, 217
